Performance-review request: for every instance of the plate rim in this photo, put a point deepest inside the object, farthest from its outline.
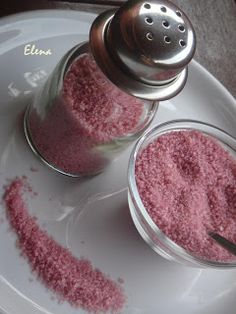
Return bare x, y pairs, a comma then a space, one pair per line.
60, 13
15, 17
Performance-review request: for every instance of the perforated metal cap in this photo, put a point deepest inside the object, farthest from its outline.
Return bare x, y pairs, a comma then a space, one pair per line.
144, 47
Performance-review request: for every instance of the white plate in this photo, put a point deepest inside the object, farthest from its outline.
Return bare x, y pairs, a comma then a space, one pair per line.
104, 232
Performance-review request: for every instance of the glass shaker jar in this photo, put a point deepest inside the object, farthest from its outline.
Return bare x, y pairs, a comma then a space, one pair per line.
80, 120
92, 105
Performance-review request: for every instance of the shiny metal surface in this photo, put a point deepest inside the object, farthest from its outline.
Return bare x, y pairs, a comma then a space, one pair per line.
228, 245
144, 47
153, 39
116, 73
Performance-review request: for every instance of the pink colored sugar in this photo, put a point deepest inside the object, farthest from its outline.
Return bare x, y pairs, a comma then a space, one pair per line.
187, 183
91, 111
72, 279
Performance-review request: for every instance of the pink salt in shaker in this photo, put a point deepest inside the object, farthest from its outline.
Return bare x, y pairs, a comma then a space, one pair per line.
104, 93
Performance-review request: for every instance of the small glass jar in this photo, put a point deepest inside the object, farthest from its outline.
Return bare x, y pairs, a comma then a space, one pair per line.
149, 231
79, 120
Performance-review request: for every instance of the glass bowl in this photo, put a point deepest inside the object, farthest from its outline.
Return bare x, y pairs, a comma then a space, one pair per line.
149, 231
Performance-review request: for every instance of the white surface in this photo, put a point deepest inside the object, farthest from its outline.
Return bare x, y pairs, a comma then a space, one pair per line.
109, 238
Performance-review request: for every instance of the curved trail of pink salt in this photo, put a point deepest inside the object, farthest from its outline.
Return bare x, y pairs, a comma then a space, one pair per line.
72, 279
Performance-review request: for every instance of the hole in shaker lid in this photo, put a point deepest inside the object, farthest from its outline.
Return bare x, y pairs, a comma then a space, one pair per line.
167, 39
163, 9
149, 20
181, 28
178, 13
149, 36
166, 24
147, 6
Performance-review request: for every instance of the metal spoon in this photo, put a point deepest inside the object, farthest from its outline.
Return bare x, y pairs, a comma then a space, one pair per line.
228, 245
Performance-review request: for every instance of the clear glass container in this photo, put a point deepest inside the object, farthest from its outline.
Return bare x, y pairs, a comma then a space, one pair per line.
149, 231
79, 120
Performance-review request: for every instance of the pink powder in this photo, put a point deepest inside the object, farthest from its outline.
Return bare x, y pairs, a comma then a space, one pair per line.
187, 183
89, 113
72, 279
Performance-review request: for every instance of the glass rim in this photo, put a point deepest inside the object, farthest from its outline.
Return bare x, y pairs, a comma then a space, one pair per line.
133, 189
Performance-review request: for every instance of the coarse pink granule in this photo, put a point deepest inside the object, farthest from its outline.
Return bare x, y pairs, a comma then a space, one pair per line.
89, 112
187, 183
72, 279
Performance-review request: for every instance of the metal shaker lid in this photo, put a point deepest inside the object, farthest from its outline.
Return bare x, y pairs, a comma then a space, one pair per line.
144, 47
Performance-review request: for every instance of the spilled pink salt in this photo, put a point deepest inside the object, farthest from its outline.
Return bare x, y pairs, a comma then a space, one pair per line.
72, 279
187, 183
90, 111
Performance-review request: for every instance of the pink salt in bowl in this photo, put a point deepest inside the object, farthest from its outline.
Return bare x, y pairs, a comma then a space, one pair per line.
183, 239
